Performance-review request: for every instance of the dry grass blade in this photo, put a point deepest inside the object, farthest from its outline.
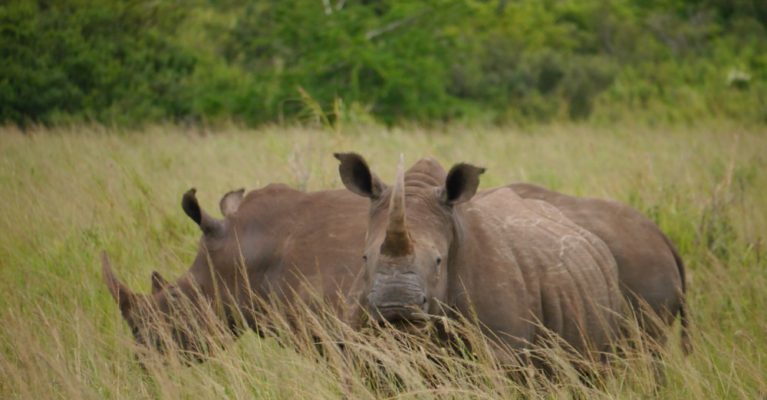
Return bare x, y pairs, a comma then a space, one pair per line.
68, 193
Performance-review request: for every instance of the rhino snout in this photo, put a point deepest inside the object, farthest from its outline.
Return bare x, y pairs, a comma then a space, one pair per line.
398, 297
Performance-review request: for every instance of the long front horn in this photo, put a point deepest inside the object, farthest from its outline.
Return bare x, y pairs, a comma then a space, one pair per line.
397, 240
124, 297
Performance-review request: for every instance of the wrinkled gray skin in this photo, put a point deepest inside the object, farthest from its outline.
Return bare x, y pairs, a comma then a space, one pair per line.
294, 246
515, 264
271, 213
650, 270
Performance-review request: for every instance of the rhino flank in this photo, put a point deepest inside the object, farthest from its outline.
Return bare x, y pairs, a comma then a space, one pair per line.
512, 263
276, 243
650, 270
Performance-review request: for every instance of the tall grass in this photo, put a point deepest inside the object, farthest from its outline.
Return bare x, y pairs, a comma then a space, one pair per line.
67, 193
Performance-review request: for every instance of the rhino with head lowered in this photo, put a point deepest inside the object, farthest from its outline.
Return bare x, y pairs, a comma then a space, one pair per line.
275, 245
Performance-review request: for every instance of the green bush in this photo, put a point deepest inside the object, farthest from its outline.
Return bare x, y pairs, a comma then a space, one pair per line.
100, 60
436, 60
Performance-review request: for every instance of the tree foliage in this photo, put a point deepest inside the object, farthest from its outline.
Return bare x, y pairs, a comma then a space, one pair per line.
434, 60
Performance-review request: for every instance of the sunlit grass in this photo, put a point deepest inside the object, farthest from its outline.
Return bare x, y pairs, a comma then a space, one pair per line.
66, 194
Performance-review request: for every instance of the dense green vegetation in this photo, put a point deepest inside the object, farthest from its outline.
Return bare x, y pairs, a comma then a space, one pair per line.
497, 61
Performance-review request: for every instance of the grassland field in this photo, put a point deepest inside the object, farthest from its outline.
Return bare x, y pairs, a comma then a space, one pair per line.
68, 193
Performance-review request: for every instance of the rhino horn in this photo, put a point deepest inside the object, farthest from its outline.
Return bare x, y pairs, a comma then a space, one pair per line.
397, 241
124, 297
158, 282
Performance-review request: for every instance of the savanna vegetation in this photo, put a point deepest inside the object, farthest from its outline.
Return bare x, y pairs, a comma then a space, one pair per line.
110, 110
68, 193
486, 61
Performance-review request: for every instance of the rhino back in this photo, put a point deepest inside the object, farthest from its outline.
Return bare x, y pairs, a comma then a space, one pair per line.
524, 264
324, 243
295, 243
648, 271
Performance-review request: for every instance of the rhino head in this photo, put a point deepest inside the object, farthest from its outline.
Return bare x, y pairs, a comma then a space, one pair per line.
411, 233
178, 316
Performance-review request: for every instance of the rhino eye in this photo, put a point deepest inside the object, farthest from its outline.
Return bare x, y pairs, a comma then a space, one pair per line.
365, 257
439, 260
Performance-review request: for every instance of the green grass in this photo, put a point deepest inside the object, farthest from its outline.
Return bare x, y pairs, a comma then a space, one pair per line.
66, 194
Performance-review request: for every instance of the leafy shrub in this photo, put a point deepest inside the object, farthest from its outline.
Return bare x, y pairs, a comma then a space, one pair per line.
434, 60
103, 60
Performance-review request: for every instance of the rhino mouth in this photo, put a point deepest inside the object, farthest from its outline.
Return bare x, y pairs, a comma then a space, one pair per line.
401, 314
398, 299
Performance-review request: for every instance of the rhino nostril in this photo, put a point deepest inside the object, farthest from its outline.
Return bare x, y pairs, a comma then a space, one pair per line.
423, 300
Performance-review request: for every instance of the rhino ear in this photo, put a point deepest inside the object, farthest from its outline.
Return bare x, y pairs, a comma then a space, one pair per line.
461, 183
124, 297
230, 203
158, 282
356, 175
191, 207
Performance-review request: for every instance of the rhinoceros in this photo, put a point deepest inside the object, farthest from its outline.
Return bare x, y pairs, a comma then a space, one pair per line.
275, 245
650, 270
519, 266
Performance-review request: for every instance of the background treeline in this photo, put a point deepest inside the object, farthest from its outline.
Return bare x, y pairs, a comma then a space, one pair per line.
500, 61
